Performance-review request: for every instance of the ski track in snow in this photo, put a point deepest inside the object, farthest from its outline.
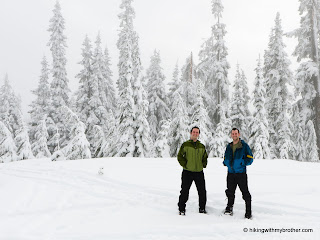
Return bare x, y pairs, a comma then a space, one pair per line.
137, 199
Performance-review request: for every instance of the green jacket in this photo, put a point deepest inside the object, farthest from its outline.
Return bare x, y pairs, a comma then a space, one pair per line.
192, 156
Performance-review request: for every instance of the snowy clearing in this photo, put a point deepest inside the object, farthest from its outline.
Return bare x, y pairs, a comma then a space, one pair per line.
136, 198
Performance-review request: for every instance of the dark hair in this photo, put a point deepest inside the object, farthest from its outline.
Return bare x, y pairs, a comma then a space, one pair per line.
194, 128
233, 129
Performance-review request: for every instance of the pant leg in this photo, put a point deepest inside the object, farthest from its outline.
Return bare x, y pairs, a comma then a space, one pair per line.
201, 187
186, 181
231, 188
243, 185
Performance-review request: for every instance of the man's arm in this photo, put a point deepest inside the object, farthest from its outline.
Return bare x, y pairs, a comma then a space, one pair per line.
225, 154
205, 159
181, 157
249, 156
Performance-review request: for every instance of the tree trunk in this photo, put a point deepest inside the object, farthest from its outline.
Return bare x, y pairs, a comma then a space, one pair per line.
316, 79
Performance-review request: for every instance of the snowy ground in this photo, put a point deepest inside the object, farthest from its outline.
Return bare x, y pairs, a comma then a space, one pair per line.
137, 199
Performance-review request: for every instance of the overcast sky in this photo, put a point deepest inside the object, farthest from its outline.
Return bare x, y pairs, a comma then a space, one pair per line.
175, 27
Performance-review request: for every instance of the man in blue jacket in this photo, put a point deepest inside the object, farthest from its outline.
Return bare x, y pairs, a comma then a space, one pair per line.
237, 156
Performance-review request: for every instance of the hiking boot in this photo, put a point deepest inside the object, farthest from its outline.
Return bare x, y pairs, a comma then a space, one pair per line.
228, 210
183, 212
202, 211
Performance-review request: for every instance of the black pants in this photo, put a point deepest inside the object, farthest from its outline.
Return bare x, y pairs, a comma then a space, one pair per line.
240, 179
187, 178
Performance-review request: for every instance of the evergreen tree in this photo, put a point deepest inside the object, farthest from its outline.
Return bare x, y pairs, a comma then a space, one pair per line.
134, 136
174, 84
220, 137
40, 106
214, 66
278, 75
107, 84
188, 83
143, 140
200, 117
259, 136
105, 137
311, 143
240, 114
125, 144
178, 132
78, 147
97, 97
161, 146
23, 143
7, 146
54, 135
59, 85
10, 109
40, 147
308, 35
158, 102
300, 144
84, 92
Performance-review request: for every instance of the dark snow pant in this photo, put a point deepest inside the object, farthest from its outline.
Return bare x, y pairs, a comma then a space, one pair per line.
187, 178
240, 179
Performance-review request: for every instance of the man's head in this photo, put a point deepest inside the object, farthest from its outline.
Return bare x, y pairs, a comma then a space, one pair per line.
194, 133
235, 134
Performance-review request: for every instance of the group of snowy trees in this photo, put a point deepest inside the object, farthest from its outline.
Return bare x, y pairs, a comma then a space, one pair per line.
139, 118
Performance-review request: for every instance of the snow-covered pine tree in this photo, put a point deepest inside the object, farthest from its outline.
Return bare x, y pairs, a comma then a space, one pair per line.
40, 106
158, 101
10, 108
161, 145
178, 131
213, 67
304, 88
308, 50
220, 137
239, 113
278, 75
174, 84
200, 117
84, 92
22, 142
7, 146
134, 134
125, 144
109, 93
40, 147
303, 109
299, 134
142, 136
188, 89
259, 134
97, 113
105, 137
54, 135
59, 85
78, 147
311, 143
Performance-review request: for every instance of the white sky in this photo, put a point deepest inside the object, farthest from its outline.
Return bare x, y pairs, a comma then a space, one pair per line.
175, 27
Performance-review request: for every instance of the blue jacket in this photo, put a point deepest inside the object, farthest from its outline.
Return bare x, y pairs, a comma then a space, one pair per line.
242, 158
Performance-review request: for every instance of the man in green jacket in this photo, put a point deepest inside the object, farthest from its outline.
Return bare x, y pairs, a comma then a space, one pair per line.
193, 157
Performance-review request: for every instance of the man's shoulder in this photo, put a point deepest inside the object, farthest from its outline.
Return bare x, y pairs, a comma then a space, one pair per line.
186, 143
244, 143
201, 144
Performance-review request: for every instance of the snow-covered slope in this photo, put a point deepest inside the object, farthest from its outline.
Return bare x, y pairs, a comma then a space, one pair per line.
137, 199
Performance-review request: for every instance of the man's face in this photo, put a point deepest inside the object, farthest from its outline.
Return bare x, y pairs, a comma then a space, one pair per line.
235, 135
194, 134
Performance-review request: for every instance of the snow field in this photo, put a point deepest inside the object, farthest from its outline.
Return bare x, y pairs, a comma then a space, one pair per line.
136, 198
